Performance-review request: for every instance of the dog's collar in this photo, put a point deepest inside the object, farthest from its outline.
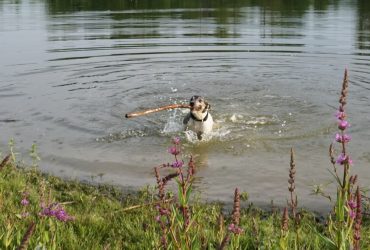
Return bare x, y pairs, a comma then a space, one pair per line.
199, 120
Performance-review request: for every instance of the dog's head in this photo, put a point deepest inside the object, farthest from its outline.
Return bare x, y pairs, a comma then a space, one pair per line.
199, 104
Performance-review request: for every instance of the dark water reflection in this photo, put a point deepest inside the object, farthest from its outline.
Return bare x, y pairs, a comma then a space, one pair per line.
272, 71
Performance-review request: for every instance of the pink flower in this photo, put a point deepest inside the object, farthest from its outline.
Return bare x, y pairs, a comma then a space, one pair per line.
343, 124
342, 159
163, 211
57, 211
62, 215
174, 150
340, 115
352, 214
352, 204
177, 164
25, 202
342, 138
235, 229
176, 140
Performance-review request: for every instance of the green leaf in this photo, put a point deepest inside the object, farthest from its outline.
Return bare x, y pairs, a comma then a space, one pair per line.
7, 240
181, 196
46, 237
188, 192
328, 241
177, 217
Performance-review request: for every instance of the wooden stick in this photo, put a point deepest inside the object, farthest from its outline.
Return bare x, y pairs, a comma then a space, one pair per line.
149, 111
145, 204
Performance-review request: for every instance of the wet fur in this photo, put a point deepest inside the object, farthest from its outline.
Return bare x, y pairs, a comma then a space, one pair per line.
195, 119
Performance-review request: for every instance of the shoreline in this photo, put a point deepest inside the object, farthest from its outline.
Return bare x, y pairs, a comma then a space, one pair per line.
96, 214
321, 210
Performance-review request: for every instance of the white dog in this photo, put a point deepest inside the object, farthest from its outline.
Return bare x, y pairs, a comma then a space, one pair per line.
199, 119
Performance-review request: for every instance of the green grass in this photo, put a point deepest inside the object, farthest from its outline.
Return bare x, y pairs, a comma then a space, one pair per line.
102, 220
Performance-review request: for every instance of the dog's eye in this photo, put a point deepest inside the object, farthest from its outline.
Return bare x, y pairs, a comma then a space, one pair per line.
200, 100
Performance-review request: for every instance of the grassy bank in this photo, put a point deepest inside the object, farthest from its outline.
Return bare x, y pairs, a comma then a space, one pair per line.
101, 217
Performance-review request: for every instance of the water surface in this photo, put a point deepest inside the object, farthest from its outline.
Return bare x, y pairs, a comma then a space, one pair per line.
271, 71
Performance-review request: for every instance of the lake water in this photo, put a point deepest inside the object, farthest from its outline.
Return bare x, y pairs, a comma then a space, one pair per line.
70, 70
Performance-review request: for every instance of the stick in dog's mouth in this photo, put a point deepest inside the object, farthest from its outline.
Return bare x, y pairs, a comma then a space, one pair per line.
149, 111
199, 120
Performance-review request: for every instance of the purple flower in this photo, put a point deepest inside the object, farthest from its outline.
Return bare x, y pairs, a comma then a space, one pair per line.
231, 227
57, 211
52, 212
45, 212
163, 211
25, 202
61, 215
177, 164
235, 229
176, 140
340, 115
342, 159
342, 138
174, 150
343, 124
352, 204
352, 214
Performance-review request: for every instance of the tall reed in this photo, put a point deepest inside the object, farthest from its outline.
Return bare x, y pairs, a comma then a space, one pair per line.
341, 226
232, 236
284, 230
293, 197
174, 218
358, 221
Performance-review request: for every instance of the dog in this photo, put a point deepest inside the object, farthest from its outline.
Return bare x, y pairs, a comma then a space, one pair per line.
199, 119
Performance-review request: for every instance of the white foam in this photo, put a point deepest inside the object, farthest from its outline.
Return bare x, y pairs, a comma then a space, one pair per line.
257, 121
191, 136
172, 125
219, 134
236, 117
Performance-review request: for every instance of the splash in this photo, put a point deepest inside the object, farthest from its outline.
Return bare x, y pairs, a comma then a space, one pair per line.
173, 124
119, 136
219, 134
